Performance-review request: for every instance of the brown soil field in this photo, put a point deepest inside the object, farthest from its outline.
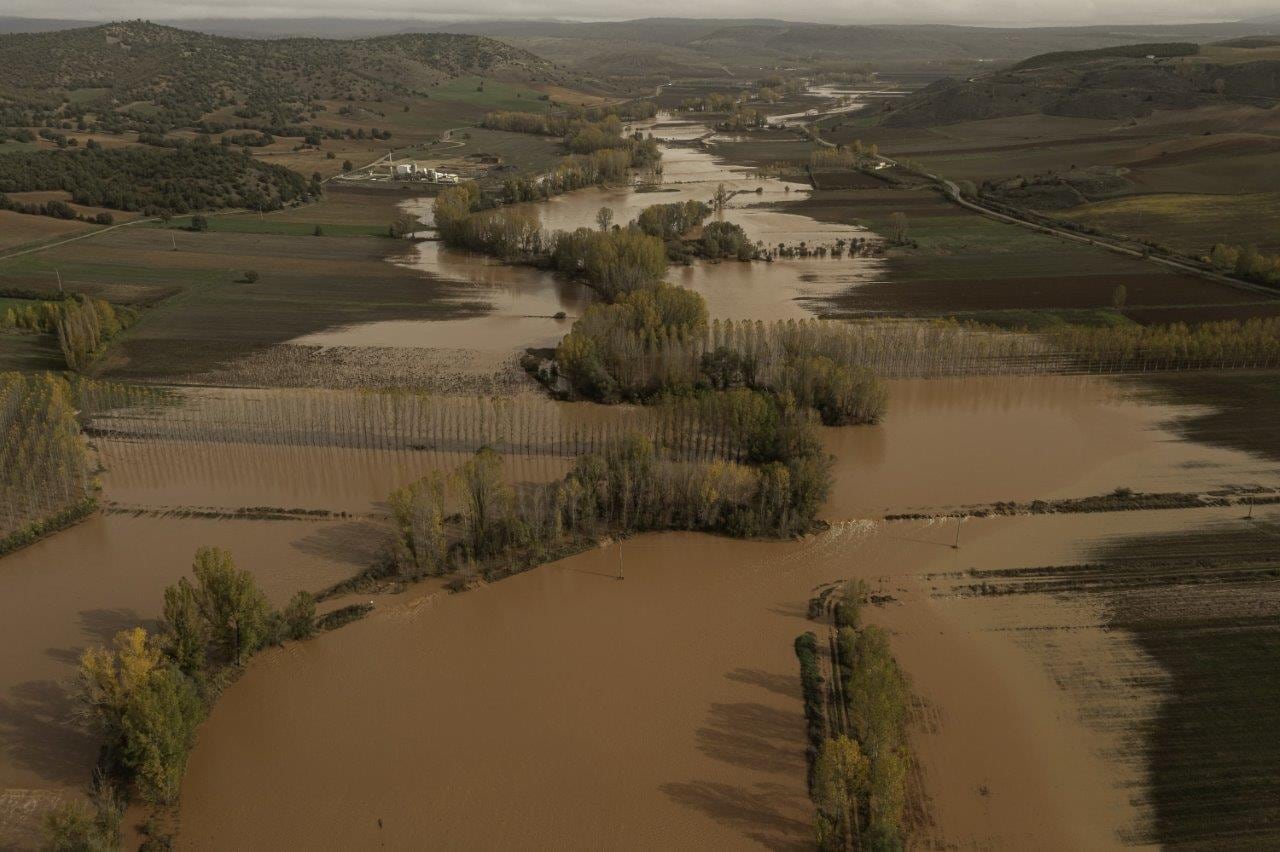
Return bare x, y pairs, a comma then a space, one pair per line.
19, 229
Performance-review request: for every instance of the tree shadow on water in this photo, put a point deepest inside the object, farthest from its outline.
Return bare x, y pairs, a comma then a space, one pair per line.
37, 732
754, 736
786, 685
757, 811
100, 627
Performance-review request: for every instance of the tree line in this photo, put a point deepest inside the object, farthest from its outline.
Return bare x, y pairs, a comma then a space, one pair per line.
1226, 344
858, 751
473, 521
657, 341
1246, 262
55, 209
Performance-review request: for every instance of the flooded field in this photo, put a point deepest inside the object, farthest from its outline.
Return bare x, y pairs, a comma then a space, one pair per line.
107, 574
523, 302
563, 666
955, 442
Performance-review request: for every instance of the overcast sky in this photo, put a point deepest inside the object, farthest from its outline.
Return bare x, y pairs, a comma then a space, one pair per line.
1006, 12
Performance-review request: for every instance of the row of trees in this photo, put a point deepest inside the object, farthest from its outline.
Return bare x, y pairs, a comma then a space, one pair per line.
1247, 263
146, 694
45, 478
56, 209
85, 326
857, 729
1211, 345
475, 519
612, 261
658, 341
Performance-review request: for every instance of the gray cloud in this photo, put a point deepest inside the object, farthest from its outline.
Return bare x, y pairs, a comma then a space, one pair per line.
991, 12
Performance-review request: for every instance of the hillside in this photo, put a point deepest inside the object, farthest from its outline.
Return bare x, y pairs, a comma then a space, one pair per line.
137, 73
1112, 83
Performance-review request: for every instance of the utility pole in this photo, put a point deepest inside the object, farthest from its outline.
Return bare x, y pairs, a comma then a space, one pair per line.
959, 520
174, 241
58, 273
620, 577
1249, 516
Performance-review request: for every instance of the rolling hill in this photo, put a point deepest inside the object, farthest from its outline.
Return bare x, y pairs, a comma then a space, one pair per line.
1109, 83
158, 75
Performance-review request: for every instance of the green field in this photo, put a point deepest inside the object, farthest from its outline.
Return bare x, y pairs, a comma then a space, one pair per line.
272, 224
966, 265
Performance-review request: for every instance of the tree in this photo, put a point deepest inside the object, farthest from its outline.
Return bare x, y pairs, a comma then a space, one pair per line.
848, 608
199, 223
347, 165
898, 228
318, 232
403, 226
107, 678
183, 628
232, 604
419, 513
842, 777
159, 726
721, 198
486, 499
300, 616
604, 218
1118, 296
250, 276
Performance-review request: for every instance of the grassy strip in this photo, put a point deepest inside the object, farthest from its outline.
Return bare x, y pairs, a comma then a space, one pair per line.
37, 530
1120, 500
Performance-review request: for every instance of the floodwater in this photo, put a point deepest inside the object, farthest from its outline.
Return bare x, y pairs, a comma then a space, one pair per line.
83, 585
565, 707
959, 442
524, 301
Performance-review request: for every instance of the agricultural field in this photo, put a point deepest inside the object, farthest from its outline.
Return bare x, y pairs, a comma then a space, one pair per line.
964, 265
1186, 179
18, 230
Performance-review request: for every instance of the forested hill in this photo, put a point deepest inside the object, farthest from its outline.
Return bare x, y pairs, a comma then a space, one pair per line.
174, 77
1119, 83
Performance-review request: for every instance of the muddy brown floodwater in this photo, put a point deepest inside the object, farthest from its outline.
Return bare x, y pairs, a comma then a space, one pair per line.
567, 708
107, 574
524, 301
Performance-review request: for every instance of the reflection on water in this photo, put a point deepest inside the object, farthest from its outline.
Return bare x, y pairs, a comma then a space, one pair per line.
524, 301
